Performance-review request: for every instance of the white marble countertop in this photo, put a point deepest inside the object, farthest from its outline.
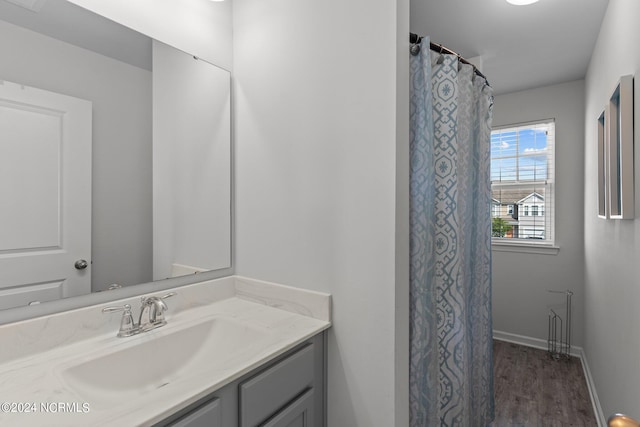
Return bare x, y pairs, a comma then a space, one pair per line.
36, 352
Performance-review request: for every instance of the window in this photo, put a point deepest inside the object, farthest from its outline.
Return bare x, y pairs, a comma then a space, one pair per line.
522, 179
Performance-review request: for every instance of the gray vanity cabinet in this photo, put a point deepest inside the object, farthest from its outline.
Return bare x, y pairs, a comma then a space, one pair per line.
269, 392
299, 413
207, 415
286, 392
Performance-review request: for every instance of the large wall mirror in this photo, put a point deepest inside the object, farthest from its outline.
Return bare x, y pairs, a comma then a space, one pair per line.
134, 130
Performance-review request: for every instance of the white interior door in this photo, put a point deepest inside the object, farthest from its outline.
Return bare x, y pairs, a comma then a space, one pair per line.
45, 195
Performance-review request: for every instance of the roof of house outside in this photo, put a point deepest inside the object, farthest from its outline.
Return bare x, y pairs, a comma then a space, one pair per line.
535, 195
506, 196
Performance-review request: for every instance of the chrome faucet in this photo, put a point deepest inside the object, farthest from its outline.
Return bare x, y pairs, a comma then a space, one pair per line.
151, 315
152, 312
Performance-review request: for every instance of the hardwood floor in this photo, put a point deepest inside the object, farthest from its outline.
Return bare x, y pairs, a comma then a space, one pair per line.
532, 389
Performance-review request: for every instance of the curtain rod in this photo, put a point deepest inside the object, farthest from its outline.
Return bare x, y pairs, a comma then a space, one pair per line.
416, 39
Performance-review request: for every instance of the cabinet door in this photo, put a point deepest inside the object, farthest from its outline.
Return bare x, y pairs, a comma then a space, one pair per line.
298, 414
266, 393
207, 415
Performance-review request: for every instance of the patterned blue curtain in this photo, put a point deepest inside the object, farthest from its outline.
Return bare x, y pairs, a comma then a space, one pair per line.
451, 366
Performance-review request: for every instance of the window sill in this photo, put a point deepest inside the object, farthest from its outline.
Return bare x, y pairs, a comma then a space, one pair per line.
524, 247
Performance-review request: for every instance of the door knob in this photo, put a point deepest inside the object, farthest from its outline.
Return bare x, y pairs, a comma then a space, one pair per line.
81, 264
621, 420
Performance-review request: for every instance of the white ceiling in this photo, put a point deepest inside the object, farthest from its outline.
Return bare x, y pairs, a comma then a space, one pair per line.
521, 47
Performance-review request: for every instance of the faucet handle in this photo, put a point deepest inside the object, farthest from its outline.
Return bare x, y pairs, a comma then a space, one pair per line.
111, 309
160, 308
128, 326
145, 299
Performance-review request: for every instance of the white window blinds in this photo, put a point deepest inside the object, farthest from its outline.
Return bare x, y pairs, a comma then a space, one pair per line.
522, 182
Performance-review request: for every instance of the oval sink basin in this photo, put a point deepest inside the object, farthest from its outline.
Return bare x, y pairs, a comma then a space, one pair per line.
155, 360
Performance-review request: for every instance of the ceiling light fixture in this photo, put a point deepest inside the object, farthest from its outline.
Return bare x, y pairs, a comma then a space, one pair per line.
521, 2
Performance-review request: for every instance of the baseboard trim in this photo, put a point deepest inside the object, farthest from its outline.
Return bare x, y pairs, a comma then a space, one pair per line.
595, 401
575, 351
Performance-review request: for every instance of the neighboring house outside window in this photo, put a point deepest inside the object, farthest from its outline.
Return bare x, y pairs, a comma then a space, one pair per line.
522, 179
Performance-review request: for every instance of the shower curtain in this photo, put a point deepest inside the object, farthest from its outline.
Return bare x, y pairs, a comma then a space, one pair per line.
451, 361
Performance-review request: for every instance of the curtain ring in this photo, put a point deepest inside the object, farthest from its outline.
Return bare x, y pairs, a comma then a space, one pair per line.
415, 49
441, 57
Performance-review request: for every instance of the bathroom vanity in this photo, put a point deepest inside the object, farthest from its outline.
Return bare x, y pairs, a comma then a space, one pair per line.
286, 392
234, 352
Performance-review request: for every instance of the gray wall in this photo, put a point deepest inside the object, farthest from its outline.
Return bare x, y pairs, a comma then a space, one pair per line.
121, 96
612, 247
520, 280
317, 111
191, 163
